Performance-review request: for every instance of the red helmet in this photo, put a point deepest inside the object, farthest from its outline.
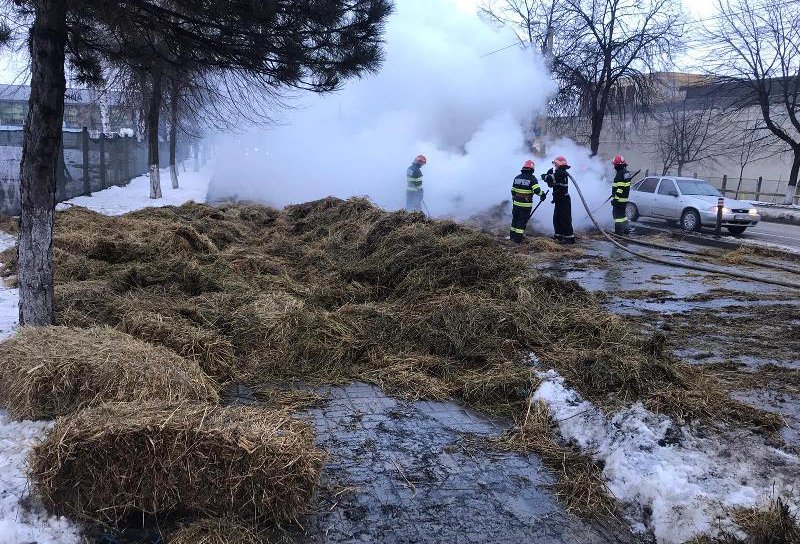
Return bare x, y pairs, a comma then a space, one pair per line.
560, 161
421, 159
619, 160
528, 165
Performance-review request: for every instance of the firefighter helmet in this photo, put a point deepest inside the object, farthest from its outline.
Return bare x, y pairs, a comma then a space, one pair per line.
560, 161
528, 165
421, 159
619, 160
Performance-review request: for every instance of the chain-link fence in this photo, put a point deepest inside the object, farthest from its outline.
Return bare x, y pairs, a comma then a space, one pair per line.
85, 165
754, 189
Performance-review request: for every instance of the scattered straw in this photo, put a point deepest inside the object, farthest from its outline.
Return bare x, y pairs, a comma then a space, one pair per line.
216, 531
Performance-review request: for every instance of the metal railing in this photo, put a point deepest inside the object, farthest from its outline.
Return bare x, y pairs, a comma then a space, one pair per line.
86, 164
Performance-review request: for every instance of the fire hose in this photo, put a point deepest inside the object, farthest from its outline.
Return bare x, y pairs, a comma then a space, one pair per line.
670, 262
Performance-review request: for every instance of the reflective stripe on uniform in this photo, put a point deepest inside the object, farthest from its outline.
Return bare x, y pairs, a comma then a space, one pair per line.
620, 200
622, 184
523, 204
621, 220
522, 191
518, 231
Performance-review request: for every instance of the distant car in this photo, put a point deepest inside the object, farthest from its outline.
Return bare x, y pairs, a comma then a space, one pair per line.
690, 202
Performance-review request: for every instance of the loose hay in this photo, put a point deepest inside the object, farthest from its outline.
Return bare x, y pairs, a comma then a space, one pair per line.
216, 531
54, 371
106, 463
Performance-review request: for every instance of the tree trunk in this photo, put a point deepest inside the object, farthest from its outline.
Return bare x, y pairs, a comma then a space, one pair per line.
40, 149
597, 129
153, 112
791, 191
173, 138
196, 151
680, 169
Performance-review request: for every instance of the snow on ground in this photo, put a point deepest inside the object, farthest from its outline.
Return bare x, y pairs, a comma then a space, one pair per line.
26, 522
671, 481
136, 195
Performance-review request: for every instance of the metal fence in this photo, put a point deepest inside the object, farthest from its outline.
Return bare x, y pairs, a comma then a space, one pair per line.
755, 189
85, 165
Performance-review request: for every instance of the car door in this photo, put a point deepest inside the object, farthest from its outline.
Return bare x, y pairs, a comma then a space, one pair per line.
643, 195
666, 201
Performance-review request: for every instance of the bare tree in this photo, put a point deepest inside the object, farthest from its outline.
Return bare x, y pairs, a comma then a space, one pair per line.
756, 58
689, 131
602, 52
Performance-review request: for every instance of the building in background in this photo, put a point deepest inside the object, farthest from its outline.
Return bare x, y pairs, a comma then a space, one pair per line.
98, 111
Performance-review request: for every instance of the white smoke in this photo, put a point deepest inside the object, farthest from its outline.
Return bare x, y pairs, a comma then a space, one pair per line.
437, 94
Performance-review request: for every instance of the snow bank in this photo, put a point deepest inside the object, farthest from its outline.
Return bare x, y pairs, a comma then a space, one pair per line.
136, 195
670, 481
27, 522
18, 524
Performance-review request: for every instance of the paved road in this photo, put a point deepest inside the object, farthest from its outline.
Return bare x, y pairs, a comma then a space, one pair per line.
775, 233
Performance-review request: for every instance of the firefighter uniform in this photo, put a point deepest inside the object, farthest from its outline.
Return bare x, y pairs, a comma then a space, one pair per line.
558, 179
414, 192
522, 191
620, 192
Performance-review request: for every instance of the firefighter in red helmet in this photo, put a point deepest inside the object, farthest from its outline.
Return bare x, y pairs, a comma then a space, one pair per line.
522, 192
414, 192
620, 192
558, 179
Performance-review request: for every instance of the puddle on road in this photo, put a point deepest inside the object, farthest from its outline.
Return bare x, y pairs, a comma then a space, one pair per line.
414, 478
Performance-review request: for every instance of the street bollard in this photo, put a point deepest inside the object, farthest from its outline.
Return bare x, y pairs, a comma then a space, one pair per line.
720, 206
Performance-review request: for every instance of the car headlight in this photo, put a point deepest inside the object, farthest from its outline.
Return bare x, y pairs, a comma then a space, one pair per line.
753, 211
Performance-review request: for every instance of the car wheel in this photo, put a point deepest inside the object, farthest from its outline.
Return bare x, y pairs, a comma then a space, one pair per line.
690, 220
632, 212
736, 231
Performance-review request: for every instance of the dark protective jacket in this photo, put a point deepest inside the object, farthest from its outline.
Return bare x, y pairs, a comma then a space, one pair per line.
414, 177
525, 186
558, 180
621, 189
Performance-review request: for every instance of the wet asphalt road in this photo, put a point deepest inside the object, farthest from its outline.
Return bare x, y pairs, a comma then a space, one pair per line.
769, 233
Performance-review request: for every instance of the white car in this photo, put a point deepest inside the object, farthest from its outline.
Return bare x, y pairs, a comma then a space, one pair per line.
690, 202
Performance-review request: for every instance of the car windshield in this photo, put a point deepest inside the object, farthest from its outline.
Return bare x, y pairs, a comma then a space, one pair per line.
697, 187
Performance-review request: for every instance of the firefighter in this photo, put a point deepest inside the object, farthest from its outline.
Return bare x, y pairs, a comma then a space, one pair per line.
525, 186
620, 192
558, 179
414, 190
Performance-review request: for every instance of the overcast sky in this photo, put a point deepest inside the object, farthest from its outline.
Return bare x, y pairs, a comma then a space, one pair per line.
11, 65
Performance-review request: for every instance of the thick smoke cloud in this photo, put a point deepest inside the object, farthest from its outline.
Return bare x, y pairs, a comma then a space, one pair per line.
436, 94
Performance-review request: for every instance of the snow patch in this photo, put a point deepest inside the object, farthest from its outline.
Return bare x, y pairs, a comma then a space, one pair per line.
20, 524
675, 482
136, 194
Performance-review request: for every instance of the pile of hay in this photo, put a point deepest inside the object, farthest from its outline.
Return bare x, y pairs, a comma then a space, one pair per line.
47, 372
774, 525
333, 290
106, 463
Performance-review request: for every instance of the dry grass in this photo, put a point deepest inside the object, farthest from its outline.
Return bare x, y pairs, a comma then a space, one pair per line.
50, 372
106, 463
580, 484
216, 531
774, 525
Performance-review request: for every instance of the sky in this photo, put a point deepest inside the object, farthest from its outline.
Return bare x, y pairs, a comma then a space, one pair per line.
13, 65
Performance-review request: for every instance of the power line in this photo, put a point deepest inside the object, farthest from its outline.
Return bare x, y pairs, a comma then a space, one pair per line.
515, 44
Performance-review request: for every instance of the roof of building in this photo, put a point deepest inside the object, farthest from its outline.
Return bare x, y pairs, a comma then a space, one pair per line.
21, 93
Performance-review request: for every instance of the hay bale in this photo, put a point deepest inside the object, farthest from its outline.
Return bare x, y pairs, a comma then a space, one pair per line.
213, 352
106, 463
48, 372
216, 531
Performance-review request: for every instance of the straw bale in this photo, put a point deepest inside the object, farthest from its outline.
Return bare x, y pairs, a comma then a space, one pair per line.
47, 372
106, 463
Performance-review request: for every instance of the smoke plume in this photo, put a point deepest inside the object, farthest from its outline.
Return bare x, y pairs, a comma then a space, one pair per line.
437, 94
